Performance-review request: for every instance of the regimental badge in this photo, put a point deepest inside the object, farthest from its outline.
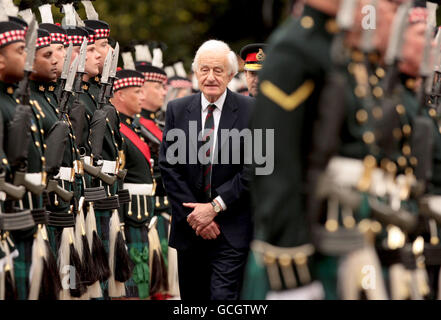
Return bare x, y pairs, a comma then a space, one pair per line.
41, 88
51, 88
260, 56
152, 115
97, 79
10, 90
85, 87
128, 121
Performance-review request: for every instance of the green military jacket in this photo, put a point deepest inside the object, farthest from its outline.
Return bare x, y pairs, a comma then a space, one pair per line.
36, 158
291, 80
110, 146
49, 114
138, 168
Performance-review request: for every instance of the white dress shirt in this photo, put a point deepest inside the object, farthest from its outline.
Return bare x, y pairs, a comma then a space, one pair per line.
216, 116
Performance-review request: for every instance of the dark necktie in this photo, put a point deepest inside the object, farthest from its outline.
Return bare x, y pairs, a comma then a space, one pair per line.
208, 135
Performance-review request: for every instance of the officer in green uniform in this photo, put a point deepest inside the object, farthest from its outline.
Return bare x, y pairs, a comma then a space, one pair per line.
12, 57
139, 181
154, 93
287, 102
45, 73
253, 56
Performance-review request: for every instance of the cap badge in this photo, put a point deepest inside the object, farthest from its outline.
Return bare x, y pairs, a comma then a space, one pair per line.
260, 56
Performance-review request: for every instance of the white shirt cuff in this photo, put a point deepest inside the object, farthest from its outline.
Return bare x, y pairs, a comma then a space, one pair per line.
221, 202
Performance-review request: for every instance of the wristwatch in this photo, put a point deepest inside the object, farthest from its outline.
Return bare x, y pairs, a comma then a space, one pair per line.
216, 207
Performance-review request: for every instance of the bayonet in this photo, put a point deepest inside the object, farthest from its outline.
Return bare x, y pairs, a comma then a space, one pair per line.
112, 75
105, 78
67, 90
106, 68
114, 61
71, 75
81, 67
65, 71
66, 63
31, 38
23, 87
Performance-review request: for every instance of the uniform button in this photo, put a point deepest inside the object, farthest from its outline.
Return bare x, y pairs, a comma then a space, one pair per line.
407, 129
44, 145
307, 22
34, 128
432, 112
378, 92
41, 131
361, 116
43, 159
380, 72
38, 116
368, 137
373, 80
400, 109
413, 161
402, 162
406, 150
360, 91
37, 143
5, 161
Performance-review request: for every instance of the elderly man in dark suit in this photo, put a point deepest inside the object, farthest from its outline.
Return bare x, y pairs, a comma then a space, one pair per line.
211, 215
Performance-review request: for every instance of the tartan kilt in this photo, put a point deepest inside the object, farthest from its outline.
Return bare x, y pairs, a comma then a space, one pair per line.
102, 226
162, 228
135, 238
23, 241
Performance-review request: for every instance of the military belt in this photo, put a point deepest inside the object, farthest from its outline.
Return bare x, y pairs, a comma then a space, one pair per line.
339, 242
139, 189
95, 194
40, 216
108, 167
66, 174
64, 220
16, 221
109, 203
34, 178
124, 196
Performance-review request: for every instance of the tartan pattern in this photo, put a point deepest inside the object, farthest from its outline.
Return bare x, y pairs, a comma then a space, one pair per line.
58, 38
43, 42
75, 40
12, 36
155, 77
180, 84
135, 238
102, 226
128, 82
22, 265
91, 39
101, 33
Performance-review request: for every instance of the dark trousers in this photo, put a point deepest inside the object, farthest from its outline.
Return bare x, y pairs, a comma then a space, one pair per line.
211, 270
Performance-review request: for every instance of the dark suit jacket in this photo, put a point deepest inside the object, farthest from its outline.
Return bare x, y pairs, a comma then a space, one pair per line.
183, 182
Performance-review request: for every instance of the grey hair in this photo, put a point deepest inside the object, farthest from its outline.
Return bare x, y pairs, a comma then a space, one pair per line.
217, 45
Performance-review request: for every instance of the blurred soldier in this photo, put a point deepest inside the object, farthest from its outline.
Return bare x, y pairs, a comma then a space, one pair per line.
254, 56
287, 103
12, 60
